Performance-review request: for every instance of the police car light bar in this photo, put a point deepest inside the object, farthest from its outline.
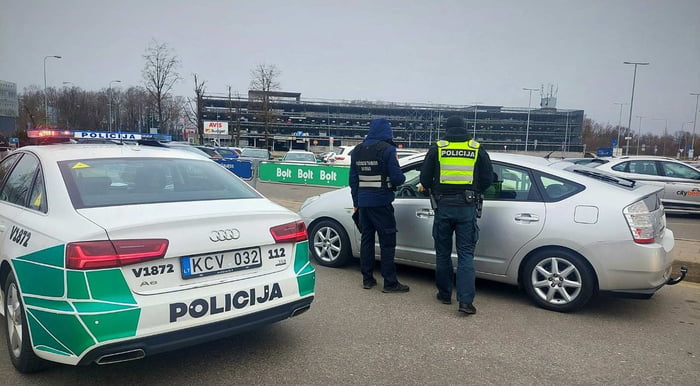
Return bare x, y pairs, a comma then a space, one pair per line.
89, 134
48, 133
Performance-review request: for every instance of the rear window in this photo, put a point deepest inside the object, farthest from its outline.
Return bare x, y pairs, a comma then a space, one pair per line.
227, 152
130, 181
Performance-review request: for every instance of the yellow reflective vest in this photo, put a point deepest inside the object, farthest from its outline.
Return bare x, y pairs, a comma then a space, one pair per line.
457, 160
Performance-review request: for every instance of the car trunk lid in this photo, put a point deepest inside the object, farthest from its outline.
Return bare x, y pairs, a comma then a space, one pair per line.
208, 241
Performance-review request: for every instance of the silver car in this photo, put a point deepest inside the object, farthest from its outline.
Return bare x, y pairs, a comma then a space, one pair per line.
563, 232
680, 182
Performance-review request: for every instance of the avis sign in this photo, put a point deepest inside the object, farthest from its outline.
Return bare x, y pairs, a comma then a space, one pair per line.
215, 128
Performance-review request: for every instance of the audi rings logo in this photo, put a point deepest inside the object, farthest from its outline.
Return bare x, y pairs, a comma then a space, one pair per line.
224, 235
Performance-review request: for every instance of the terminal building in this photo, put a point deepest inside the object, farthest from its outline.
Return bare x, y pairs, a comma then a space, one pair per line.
9, 108
293, 122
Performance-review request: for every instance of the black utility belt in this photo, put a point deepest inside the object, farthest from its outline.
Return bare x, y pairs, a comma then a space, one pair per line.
466, 197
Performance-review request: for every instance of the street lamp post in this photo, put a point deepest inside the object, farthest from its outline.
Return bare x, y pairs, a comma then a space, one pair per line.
529, 102
679, 138
663, 140
639, 137
695, 120
619, 124
46, 99
629, 123
476, 107
110, 103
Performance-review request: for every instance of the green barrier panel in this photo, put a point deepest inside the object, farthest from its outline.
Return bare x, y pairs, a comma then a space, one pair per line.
304, 174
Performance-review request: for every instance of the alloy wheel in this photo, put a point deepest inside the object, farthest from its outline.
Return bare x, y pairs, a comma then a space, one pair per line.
14, 320
556, 281
327, 244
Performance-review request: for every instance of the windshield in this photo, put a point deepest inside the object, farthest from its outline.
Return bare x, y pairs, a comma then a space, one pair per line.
129, 181
307, 157
255, 153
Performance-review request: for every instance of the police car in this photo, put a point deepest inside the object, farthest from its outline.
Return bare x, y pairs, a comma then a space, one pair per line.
111, 253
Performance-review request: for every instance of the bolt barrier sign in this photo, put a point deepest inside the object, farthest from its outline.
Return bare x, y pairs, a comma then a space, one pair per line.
243, 169
304, 174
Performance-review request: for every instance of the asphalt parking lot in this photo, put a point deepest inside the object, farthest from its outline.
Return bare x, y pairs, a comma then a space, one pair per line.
356, 336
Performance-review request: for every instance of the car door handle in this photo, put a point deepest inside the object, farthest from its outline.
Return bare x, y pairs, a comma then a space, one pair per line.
425, 213
526, 217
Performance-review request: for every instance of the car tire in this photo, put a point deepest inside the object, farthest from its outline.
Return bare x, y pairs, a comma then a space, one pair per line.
559, 280
19, 344
329, 244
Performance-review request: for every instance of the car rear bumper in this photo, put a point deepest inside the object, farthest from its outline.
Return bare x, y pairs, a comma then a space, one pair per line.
150, 345
628, 268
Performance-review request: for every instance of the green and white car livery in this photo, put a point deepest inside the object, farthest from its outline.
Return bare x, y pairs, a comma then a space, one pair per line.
117, 272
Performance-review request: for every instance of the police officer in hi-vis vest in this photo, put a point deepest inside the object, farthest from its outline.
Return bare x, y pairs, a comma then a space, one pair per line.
374, 176
457, 171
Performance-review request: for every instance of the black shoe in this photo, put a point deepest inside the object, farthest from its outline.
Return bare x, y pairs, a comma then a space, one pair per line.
368, 284
398, 287
467, 308
444, 299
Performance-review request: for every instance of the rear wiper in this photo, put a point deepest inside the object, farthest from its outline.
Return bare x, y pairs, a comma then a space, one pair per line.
605, 177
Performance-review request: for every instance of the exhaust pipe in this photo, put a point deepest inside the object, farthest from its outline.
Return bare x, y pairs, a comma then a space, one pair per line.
672, 281
125, 356
300, 311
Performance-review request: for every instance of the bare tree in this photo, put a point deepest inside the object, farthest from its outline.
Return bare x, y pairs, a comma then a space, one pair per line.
176, 108
133, 113
264, 78
159, 76
30, 108
199, 89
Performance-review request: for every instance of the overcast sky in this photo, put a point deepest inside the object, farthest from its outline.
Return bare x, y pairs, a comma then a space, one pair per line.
451, 52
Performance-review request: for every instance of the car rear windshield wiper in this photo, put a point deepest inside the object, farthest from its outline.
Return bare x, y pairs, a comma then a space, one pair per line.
606, 177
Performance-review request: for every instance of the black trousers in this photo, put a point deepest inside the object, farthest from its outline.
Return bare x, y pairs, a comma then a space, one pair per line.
379, 220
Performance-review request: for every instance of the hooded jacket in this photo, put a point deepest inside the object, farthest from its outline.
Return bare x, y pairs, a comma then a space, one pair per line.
379, 130
430, 172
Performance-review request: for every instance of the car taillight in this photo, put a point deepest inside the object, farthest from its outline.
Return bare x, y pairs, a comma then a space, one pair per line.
292, 232
116, 253
641, 222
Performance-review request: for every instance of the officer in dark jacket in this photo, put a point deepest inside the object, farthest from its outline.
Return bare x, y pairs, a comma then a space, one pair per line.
374, 176
456, 170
